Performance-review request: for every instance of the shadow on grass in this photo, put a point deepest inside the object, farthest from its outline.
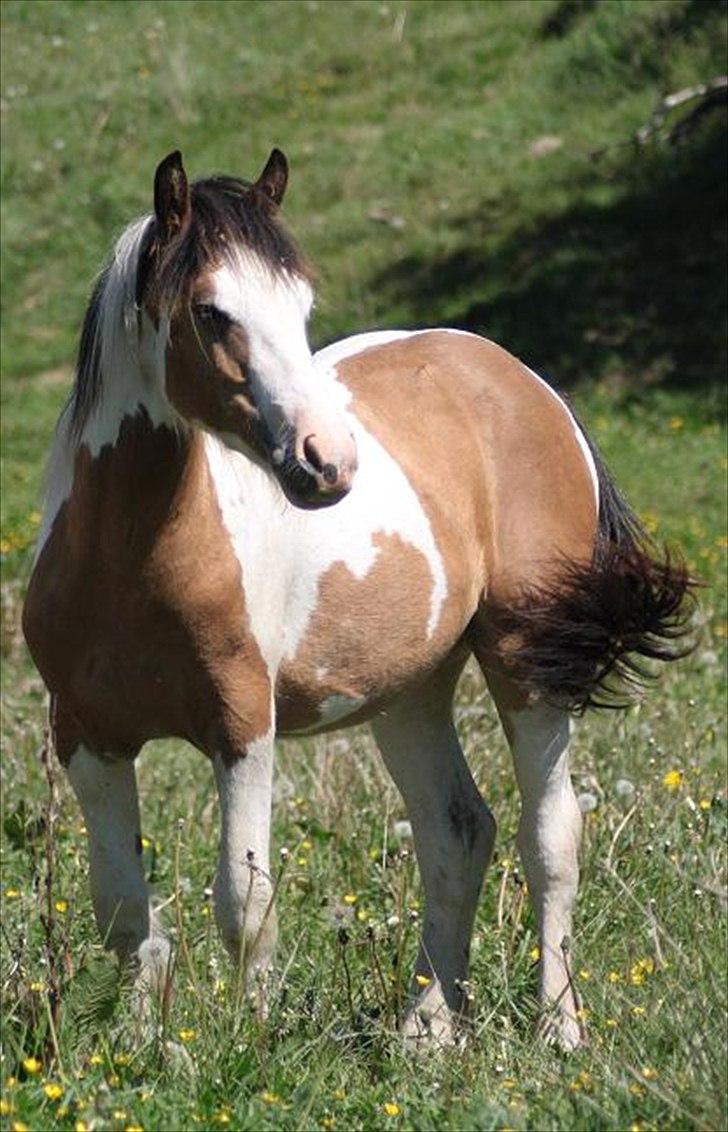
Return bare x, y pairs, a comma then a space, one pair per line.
634, 291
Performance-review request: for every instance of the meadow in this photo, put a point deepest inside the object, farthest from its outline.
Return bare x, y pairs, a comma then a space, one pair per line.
453, 163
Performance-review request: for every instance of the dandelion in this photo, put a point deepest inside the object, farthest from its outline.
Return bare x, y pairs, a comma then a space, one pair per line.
302, 862
610, 1022
423, 980
119, 1114
637, 1011
12, 893
307, 845
113, 1080
508, 1083
122, 1059
649, 1073
146, 843
133, 1128
187, 1035
32, 1065
270, 1098
80, 1126
11, 1082
673, 780
640, 970
587, 802
583, 1081
704, 803
222, 1117
37, 987
96, 1059
350, 898
339, 1095
53, 1090
675, 424
585, 975
18, 1126
328, 1122
637, 1090
362, 915
5, 1107
61, 906
391, 1108
614, 977
535, 953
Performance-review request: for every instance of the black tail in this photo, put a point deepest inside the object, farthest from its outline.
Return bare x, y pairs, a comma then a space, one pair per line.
582, 640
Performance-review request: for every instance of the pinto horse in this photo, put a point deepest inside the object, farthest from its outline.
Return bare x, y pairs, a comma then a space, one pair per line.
242, 539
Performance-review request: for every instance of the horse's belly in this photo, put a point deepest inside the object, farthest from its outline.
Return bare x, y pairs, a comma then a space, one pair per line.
368, 638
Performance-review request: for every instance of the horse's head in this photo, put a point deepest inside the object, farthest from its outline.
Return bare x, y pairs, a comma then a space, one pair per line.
222, 278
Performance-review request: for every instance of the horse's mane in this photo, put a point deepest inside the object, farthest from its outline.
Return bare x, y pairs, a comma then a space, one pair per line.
226, 220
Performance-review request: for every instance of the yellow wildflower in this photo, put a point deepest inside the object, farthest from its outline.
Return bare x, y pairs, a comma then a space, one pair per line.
187, 1035
673, 780
637, 1090
339, 1095
423, 980
122, 1059
5, 1107
391, 1108
12, 893
362, 915
61, 906
328, 1122
80, 1126
146, 843
508, 1083
614, 977
675, 424
584, 974
350, 898
640, 970
38, 987
302, 862
53, 1090
307, 845
222, 1117
11, 1082
133, 1128
535, 953
649, 1073
32, 1065
114, 1080
119, 1114
18, 1126
704, 803
610, 1022
270, 1098
96, 1059
638, 1011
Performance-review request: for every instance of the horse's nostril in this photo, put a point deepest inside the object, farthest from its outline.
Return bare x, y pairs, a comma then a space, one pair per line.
330, 473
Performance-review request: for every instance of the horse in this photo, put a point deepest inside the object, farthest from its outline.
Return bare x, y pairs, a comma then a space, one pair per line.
242, 539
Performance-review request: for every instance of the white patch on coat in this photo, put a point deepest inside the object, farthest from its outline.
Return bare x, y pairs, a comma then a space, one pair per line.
284, 551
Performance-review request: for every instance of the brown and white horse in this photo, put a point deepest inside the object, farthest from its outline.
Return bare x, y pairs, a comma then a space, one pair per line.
193, 581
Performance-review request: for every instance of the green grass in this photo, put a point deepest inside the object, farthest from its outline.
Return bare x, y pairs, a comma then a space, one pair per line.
415, 190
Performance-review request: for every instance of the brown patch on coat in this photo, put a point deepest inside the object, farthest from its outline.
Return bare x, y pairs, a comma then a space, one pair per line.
135, 614
368, 636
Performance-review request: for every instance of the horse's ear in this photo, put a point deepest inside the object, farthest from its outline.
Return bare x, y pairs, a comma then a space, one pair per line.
171, 196
271, 185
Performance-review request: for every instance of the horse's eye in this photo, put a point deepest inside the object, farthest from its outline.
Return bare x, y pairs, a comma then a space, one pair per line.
207, 312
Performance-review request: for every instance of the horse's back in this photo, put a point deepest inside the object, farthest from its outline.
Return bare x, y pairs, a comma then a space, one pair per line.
493, 452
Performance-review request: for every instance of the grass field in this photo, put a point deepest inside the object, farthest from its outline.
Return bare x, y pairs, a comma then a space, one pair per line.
441, 173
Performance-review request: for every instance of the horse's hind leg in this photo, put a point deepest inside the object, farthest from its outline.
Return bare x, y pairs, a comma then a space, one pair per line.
453, 833
107, 794
549, 834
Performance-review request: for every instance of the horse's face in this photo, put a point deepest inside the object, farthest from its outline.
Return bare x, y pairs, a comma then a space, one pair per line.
237, 357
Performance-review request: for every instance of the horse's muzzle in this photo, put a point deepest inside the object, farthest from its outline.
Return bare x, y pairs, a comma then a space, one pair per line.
313, 473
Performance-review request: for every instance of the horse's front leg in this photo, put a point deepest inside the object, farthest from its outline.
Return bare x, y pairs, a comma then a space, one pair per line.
243, 886
107, 794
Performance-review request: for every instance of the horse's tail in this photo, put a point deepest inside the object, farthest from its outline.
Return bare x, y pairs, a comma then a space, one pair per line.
582, 640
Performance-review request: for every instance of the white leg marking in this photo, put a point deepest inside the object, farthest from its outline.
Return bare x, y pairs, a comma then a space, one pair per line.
548, 839
453, 833
243, 889
107, 794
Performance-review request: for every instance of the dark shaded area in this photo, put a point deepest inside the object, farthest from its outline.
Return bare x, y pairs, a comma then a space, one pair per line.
634, 290
564, 15
682, 18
